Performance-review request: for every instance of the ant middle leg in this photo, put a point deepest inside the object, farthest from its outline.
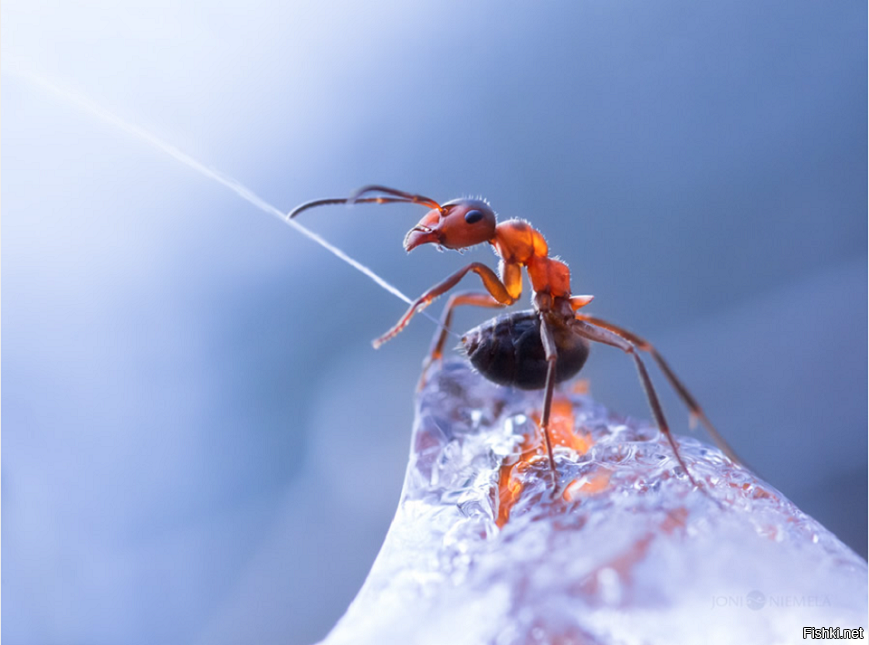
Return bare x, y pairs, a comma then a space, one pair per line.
475, 298
694, 409
436, 351
607, 337
551, 350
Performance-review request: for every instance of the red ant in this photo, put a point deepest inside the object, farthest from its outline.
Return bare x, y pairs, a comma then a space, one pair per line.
532, 349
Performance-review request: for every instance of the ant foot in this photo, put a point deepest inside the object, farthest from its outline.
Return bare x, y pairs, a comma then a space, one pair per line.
556, 492
426, 365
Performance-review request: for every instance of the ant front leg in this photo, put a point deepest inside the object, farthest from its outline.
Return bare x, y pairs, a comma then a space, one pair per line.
690, 402
607, 337
490, 280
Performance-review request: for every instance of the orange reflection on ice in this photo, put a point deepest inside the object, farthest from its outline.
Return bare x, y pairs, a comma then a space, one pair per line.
561, 432
587, 485
561, 424
510, 487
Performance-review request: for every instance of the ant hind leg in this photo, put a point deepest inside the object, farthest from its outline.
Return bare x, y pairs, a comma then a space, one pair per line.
694, 409
607, 337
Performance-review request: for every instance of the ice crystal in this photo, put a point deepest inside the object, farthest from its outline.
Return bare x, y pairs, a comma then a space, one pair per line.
627, 552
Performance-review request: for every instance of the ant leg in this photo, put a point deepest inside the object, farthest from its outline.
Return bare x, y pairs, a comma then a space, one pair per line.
607, 337
476, 298
490, 279
551, 350
696, 413
436, 351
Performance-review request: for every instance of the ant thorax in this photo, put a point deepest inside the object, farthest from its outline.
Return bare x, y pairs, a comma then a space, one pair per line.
517, 242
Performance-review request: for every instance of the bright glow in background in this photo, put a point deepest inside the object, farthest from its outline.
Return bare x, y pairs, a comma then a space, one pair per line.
200, 445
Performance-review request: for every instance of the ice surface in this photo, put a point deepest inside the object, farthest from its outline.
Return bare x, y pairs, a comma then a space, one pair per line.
628, 552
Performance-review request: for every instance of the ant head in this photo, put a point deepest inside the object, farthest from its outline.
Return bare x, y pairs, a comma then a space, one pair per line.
456, 225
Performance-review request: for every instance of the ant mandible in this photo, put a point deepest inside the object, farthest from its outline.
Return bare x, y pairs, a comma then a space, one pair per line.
532, 349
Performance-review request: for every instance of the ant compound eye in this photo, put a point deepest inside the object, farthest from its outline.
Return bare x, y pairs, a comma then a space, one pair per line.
474, 216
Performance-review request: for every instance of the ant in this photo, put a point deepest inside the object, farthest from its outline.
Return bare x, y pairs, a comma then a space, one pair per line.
534, 349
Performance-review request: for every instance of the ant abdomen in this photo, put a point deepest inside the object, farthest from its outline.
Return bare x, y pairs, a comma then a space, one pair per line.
508, 350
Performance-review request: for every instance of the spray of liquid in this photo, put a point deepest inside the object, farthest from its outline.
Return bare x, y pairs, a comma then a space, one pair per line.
235, 186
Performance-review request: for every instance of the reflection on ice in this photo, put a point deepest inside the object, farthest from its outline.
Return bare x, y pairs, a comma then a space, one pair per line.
627, 552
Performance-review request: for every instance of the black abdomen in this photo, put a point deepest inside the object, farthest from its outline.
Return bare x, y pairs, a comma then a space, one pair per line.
507, 350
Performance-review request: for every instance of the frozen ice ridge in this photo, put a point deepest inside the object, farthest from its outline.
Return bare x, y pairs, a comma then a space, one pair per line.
628, 552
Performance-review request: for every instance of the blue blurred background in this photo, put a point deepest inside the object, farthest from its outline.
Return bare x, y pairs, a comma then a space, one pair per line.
199, 444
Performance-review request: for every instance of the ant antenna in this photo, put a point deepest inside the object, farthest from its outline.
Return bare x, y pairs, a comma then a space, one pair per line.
356, 198
416, 199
